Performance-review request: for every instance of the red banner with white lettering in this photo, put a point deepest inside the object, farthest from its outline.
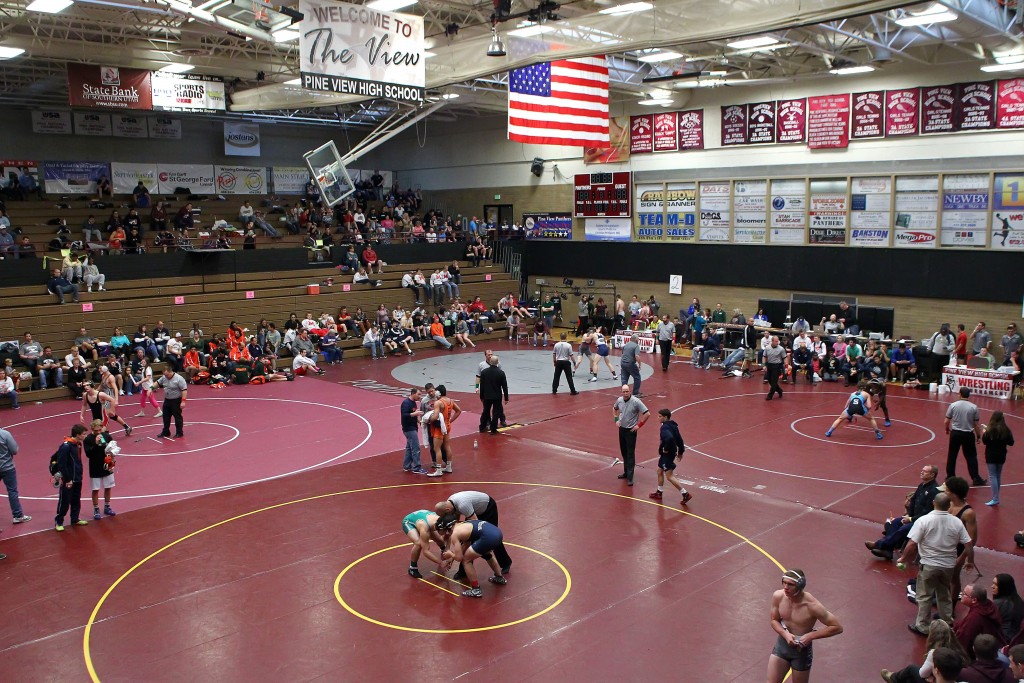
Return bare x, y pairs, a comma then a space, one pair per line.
109, 87
791, 120
938, 109
641, 134
976, 106
828, 121
666, 126
734, 125
902, 109
1010, 104
691, 129
867, 115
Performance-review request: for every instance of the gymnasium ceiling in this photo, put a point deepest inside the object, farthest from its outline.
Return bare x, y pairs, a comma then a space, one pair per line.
222, 38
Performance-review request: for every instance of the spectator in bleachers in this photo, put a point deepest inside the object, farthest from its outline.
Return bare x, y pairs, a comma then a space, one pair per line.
59, 286
7, 247
161, 335
5, 221
249, 238
114, 221
164, 239
28, 185
9, 389
116, 241
361, 278
104, 187
51, 374
26, 249
260, 221
140, 195
245, 212
437, 333
370, 259
409, 282
303, 342
302, 364
76, 377
132, 243
158, 218
119, 342
143, 340
183, 220
132, 220
71, 267
174, 352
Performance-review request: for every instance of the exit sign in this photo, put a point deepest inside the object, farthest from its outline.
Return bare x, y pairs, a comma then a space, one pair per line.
497, 196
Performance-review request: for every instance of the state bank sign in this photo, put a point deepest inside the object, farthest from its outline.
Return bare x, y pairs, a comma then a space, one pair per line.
355, 50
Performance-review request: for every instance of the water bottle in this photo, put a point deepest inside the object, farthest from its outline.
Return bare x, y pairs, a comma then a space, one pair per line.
475, 443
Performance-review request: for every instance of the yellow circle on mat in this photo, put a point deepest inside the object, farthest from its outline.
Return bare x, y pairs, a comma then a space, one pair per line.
87, 634
378, 622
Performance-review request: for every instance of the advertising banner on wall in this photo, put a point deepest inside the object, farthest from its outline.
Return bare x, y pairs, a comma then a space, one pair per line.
73, 177
666, 132
1008, 211
791, 121
867, 115
550, 225
902, 112
126, 176
606, 229
188, 92
109, 87
915, 239
641, 134
938, 109
786, 235
827, 219
290, 179
92, 123
828, 121
382, 51
761, 123
128, 126
870, 199
51, 122
1010, 104
241, 139
164, 128
650, 212
691, 129
196, 178
734, 125
241, 179
976, 106
750, 235
876, 237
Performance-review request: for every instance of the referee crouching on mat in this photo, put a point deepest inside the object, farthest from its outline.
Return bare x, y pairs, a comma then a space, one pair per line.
175, 395
475, 505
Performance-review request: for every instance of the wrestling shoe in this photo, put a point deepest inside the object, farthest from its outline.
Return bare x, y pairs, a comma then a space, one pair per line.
23, 518
499, 580
127, 430
96, 513
879, 436
81, 522
58, 527
418, 470
108, 512
159, 413
448, 468
888, 424
139, 414
473, 593
415, 573
687, 497
828, 433
655, 496
593, 379
438, 472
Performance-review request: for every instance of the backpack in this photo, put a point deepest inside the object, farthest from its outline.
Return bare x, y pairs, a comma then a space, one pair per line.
201, 378
54, 467
258, 379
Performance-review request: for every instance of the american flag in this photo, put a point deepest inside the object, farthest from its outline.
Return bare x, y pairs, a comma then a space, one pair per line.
564, 102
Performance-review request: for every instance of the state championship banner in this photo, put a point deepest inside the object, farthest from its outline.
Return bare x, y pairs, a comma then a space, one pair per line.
355, 50
196, 178
980, 382
126, 177
74, 177
241, 179
290, 179
188, 92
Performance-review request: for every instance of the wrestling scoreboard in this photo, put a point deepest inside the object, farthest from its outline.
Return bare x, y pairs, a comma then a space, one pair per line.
602, 194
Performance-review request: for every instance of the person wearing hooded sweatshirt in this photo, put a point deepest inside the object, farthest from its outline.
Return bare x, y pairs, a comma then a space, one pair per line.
982, 617
986, 668
670, 452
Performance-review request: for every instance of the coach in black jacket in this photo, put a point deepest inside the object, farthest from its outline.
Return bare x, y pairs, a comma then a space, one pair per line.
918, 504
69, 488
493, 386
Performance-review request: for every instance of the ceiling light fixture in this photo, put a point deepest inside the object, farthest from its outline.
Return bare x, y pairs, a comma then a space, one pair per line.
49, 6
936, 14
176, 68
10, 52
758, 41
989, 68
761, 48
450, 96
711, 82
284, 35
628, 8
655, 57
496, 48
850, 70
656, 101
294, 81
390, 5
527, 29
1010, 59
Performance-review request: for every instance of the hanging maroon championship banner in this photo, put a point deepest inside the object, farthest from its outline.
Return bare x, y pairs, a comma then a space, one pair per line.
734, 125
867, 115
761, 123
1010, 104
938, 109
828, 121
641, 134
791, 120
976, 106
901, 112
109, 87
666, 129
691, 129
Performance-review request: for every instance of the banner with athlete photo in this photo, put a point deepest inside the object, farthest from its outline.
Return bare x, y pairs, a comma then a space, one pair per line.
552, 225
1008, 211
73, 177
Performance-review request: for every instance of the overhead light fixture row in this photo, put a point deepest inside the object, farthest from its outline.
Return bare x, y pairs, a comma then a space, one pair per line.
390, 5
989, 68
757, 41
49, 6
662, 56
850, 70
628, 8
10, 52
176, 68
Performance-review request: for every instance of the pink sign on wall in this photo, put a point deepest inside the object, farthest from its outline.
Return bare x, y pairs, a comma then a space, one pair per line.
250, 295
867, 115
86, 308
938, 109
641, 134
828, 121
734, 125
791, 120
691, 129
902, 112
179, 300
976, 106
1010, 104
666, 127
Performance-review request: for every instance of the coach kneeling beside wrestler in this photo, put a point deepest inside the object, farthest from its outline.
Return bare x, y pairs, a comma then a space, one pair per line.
918, 504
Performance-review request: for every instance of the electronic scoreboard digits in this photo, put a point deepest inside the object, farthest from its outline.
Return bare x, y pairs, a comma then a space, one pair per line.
603, 194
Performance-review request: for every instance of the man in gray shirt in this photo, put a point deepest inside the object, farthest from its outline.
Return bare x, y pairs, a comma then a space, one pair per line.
666, 334
630, 413
774, 361
475, 505
629, 365
583, 308
982, 338
964, 432
9, 449
561, 357
175, 395
302, 341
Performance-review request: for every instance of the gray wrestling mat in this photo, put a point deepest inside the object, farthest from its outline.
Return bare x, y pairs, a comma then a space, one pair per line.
528, 372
